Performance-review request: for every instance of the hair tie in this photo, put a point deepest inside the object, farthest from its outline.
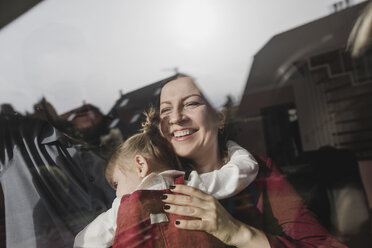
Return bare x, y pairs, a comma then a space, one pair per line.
151, 122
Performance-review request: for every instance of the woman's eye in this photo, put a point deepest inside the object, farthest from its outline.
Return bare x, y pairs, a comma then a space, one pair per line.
192, 104
115, 185
164, 110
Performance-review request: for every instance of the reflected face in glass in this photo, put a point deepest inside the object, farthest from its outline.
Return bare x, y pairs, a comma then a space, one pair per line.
187, 120
124, 183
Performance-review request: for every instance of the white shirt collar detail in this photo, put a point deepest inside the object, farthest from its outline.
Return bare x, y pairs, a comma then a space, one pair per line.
231, 178
159, 181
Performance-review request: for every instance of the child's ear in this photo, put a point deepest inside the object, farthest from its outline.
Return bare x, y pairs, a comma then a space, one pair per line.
142, 165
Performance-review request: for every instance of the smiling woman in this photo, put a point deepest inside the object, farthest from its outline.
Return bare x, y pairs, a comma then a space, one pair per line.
268, 213
193, 125
86, 51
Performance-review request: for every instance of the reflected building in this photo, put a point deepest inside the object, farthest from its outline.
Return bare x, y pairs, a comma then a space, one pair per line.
307, 105
126, 114
305, 75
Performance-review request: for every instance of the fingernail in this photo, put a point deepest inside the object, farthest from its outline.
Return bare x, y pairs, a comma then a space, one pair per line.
177, 222
172, 187
166, 207
163, 197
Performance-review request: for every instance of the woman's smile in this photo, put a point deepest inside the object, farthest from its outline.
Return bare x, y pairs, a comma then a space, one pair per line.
183, 134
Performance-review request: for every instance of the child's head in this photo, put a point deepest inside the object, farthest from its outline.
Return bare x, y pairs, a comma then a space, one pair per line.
140, 155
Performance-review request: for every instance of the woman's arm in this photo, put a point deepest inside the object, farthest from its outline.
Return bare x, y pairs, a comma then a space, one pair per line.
212, 218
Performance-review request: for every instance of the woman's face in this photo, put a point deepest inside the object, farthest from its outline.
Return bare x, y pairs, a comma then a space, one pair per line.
187, 120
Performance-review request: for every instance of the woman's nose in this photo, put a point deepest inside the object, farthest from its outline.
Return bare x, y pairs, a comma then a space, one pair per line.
175, 117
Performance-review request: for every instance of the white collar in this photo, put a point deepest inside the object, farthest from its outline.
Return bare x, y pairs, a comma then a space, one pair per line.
159, 181
229, 180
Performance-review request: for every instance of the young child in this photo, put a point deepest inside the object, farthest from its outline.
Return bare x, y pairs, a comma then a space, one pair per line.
141, 170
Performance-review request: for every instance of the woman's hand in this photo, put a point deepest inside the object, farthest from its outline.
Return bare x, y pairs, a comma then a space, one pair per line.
212, 217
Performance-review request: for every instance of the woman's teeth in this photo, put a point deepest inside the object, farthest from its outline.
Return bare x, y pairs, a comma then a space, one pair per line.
182, 133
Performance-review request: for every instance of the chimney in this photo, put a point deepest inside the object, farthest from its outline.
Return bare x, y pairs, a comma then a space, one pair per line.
340, 5
335, 7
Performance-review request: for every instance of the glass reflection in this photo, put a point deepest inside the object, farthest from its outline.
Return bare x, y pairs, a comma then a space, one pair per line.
305, 106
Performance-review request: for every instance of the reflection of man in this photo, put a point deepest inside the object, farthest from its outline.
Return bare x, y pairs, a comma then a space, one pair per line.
52, 187
89, 126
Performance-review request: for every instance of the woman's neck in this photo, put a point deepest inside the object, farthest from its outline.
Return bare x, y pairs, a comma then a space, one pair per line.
208, 162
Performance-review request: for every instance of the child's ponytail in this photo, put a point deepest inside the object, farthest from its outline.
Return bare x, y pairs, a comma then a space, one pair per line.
157, 146
151, 123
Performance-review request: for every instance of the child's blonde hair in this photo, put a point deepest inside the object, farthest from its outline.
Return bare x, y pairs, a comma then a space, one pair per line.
149, 143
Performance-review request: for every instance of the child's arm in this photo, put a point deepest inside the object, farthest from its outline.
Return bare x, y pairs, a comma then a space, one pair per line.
231, 178
101, 231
